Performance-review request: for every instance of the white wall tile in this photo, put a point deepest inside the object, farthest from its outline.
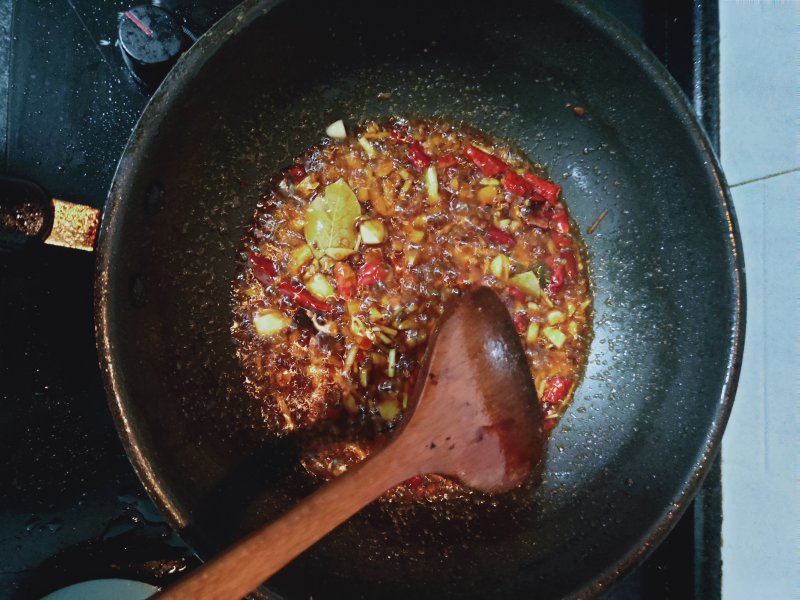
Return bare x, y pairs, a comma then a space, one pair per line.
759, 87
761, 502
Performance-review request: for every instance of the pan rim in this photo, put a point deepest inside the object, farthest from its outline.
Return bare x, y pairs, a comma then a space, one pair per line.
192, 62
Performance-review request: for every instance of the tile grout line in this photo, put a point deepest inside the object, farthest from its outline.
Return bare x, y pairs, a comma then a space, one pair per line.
762, 178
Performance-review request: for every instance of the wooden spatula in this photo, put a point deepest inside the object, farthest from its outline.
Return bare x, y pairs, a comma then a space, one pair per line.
476, 419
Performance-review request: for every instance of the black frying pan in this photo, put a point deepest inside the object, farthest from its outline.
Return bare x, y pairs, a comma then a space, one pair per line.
666, 267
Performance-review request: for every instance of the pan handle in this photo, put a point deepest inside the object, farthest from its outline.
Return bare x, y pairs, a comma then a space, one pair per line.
29, 216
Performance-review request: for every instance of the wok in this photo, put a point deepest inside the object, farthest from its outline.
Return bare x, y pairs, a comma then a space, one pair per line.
666, 270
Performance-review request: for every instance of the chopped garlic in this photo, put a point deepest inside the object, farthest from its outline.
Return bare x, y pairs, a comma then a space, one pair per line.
372, 232
268, 323
336, 130
306, 186
388, 409
416, 236
432, 184
412, 256
486, 194
319, 287
299, 257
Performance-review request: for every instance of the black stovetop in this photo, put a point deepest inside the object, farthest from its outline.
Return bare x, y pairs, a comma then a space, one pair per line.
71, 507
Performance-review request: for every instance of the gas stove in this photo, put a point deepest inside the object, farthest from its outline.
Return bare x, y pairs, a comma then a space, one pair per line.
73, 82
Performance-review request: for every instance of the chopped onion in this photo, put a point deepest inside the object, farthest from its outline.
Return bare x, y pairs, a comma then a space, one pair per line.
388, 330
392, 362
357, 327
528, 282
500, 267
368, 149
351, 357
555, 336
532, 333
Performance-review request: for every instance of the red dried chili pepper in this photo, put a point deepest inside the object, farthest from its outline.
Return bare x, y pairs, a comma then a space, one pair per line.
446, 160
560, 240
556, 280
516, 184
548, 424
370, 273
296, 173
302, 298
488, 164
517, 293
570, 264
561, 221
546, 189
498, 236
521, 322
417, 156
263, 268
556, 390
400, 133
345, 280
414, 482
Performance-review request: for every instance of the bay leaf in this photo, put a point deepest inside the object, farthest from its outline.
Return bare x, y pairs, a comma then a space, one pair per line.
330, 227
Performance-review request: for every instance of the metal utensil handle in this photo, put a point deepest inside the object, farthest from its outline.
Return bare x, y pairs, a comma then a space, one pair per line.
29, 216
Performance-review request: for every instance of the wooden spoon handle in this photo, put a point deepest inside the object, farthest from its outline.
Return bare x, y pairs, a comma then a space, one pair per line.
249, 562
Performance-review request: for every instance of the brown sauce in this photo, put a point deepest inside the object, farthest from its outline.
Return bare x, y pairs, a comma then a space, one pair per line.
354, 251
